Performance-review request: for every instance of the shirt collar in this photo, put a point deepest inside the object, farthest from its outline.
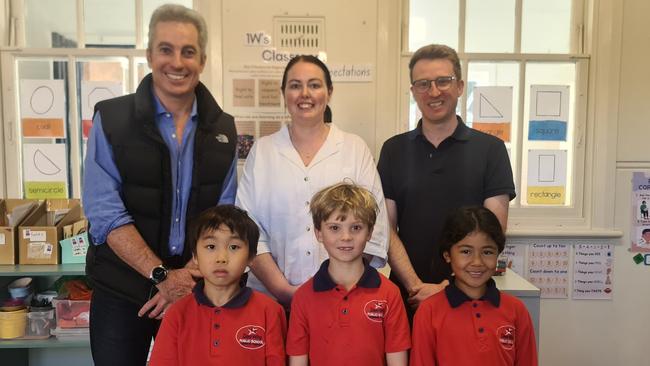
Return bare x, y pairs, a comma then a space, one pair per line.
461, 133
323, 281
456, 297
238, 301
160, 109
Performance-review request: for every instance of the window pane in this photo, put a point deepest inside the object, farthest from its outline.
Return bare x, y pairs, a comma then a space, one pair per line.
99, 79
141, 70
490, 26
46, 31
110, 23
548, 74
148, 6
494, 105
433, 21
546, 26
44, 128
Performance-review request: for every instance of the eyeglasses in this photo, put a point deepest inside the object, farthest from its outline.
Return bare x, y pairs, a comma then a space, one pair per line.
424, 85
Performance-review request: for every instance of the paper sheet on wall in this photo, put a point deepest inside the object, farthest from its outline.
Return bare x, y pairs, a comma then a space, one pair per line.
549, 112
45, 170
548, 268
640, 204
93, 92
252, 95
492, 110
42, 108
514, 255
547, 177
592, 271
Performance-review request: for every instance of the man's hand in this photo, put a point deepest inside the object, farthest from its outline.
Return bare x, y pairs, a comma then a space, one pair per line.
423, 291
179, 282
284, 297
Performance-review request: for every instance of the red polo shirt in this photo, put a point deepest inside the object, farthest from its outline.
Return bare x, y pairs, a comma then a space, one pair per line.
449, 328
338, 327
248, 330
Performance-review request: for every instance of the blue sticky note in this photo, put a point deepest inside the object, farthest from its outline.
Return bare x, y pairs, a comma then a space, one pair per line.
547, 130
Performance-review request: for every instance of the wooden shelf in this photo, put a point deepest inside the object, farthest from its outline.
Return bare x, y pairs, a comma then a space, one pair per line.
51, 342
42, 269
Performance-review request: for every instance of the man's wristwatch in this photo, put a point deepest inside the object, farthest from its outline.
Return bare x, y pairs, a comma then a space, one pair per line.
158, 274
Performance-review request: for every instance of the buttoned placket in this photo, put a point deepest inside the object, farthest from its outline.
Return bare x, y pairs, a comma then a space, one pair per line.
344, 306
216, 331
480, 331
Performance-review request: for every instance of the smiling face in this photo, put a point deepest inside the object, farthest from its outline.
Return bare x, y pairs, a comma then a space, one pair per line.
473, 261
306, 93
175, 61
344, 236
437, 107
222, 257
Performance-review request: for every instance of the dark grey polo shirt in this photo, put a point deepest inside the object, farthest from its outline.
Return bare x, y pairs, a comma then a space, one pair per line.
428, 182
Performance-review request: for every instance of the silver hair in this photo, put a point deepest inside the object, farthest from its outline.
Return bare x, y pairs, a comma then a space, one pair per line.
179, 13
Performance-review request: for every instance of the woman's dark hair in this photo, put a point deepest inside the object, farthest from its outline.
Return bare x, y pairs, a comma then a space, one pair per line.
236, 219
312, 60
466, 220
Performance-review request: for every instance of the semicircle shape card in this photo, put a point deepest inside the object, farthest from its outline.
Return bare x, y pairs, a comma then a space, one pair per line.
45, 171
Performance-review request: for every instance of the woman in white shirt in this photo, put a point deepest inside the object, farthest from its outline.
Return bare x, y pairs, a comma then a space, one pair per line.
285, 169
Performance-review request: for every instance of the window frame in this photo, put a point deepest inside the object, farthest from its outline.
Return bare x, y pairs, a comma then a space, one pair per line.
11, 156
576, 219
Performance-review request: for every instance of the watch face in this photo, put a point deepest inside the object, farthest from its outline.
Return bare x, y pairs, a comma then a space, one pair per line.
159, 274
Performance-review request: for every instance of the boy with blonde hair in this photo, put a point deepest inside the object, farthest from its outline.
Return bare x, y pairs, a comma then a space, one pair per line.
348, 313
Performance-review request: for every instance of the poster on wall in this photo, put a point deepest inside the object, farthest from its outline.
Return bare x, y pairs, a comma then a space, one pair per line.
45, 171
42, 108
492, 110
255, 99
549, 112
592, 271
640, 228
548, 269
547, 177
91, 93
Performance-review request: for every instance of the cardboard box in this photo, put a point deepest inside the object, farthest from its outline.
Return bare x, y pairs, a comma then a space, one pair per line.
9, 231
39, 237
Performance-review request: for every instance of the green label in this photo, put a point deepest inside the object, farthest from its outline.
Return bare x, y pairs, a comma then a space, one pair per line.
41, 190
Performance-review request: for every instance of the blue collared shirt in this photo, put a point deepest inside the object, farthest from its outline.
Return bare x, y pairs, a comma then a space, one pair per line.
102, 183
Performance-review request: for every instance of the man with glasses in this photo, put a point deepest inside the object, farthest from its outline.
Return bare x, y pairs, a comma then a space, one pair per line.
435, 168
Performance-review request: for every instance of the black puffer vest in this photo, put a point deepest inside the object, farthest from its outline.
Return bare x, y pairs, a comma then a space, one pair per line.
143, 161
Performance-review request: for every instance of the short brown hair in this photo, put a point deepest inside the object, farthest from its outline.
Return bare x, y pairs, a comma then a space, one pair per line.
346, 198
435, 52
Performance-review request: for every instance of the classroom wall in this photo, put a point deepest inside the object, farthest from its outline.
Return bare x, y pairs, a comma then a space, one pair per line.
572, 332
616, 332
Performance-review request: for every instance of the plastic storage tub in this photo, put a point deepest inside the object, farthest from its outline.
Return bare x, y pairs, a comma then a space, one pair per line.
39, 323
72, 313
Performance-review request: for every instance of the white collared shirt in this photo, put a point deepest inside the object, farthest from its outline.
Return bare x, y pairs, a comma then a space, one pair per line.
276, 188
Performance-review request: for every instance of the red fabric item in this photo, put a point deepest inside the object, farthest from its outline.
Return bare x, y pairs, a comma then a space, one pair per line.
356, 327
474, 333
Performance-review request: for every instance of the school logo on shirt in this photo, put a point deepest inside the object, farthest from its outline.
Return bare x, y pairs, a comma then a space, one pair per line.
376, 310
251, 337
506, 336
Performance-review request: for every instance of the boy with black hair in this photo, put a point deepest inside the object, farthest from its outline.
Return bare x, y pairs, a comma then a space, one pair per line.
348, 313
221, 323
471, 322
